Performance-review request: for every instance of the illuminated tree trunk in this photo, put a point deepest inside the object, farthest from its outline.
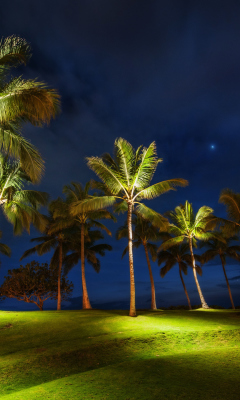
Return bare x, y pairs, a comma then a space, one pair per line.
85, 300
153, 302
203, 302
229, 290
59, 276
185, 289
132, 311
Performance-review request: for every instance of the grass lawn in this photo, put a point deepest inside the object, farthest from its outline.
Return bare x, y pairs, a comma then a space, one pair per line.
108, 355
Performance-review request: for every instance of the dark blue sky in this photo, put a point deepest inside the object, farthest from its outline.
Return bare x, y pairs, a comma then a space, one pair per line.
167, 71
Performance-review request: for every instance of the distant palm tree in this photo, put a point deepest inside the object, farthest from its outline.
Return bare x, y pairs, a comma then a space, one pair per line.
126, 179
75, 193
188, 227
22, 101
20, 206
90, 250
223, 250
143, 234
59, 241
178, 254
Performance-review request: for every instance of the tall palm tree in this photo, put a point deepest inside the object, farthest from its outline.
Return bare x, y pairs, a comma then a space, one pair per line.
188, 227
20, 206
178, 254
126, 178
22, 101
143, 234
219, 248
76, 193
90, 250
59, 241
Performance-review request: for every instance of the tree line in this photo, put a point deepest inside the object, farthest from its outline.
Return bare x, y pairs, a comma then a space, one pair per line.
72, 226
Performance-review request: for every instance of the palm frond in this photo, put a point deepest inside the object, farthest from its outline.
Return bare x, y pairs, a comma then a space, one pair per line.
154, 217
160, 188
232, 202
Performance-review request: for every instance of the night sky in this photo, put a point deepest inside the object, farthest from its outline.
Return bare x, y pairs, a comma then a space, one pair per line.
165, 71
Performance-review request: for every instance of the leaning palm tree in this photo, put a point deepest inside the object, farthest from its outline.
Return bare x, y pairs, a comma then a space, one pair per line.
217, 248
22, 101
76, 193
143, 234
59, 241
126, 178
20, 206
90, 250
179, 255
188, 227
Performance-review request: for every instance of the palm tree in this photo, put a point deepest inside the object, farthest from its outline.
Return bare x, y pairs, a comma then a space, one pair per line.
90, 250
177, 255
126, 178
20, 206
75, 193
22, 101
188, 227
143, 233
59, 241
223, 250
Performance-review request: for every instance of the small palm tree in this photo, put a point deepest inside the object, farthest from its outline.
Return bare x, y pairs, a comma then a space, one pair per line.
222, 249
188, 227
143, 234
126, 178
22, 101
177, 255
90, 250
75, 193
59, 241
20, 206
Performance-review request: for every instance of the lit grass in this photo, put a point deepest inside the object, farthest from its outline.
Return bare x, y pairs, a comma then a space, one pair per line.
108, 355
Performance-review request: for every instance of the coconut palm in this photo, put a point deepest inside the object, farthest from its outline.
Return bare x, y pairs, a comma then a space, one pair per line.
20, 206
222, 249
22, 101
126, 178
76, 193
59, 241
90, 250
143, 234
177, 255
188, 227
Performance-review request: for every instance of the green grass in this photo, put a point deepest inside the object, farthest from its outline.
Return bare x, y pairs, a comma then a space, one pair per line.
108, 355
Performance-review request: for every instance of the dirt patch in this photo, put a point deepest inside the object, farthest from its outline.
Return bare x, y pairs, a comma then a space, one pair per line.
6, 327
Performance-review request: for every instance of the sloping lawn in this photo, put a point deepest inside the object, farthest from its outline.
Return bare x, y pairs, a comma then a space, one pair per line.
108, 355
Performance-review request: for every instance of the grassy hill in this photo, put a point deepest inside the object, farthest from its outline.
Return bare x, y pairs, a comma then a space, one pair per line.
108, 355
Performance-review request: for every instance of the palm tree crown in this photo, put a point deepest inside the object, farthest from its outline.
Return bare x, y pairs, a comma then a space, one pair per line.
20, 206
22, 101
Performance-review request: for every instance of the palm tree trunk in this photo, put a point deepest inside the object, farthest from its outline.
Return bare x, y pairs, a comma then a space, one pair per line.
229, 290
132, 311
85, 300
203, 302
153, 302
185, 289
59, 276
